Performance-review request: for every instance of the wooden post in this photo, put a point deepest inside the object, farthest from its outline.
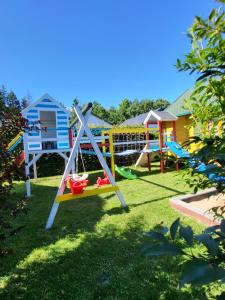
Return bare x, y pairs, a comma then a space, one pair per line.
148, 146
34, 167
71, 137
27, 168
174, 131
111, 150
175, 139
161, 146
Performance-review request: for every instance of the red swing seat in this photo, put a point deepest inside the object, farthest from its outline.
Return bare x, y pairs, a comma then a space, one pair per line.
76, 187
102, 181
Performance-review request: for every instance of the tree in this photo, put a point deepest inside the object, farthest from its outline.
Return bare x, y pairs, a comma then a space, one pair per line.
161, 104
11, 124
124, 109
99, 111
207, 59
127, 109
114, 116
26, 101
207, 104
73, 114
12, 101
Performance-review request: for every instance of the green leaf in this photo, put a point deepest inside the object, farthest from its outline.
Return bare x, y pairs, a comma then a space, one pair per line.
174, 227
154, 235
163, 230
211, 229
195, 189
187, 234
178, 63
212, 14
199, 272
220, 18
162, 249
208, 242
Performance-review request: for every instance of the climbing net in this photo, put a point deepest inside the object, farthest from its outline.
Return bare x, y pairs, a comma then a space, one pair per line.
127, 147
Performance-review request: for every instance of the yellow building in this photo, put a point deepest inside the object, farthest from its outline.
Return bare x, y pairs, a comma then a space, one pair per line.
184, 128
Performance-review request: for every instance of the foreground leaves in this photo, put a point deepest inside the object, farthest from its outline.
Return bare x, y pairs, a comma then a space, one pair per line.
201, 268
199, 272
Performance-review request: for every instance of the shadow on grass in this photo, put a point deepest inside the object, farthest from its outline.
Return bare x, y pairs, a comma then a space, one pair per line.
90, 253
104, 264
73, 217
149, 201
162, 186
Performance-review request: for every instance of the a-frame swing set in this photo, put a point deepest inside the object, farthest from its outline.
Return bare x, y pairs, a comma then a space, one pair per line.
113, 187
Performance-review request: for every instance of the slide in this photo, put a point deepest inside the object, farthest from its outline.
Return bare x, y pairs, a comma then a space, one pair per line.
124, 172
177, 150
210, 170
12, 145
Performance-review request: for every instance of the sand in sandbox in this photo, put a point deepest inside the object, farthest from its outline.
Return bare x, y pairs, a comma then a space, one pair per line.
214, 201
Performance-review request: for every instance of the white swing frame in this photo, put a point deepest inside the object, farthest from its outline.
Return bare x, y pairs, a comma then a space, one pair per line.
70, 163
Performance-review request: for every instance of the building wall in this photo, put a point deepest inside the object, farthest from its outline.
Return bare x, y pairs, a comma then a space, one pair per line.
184, 131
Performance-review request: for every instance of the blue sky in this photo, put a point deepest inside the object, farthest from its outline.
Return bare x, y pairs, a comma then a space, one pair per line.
103, 50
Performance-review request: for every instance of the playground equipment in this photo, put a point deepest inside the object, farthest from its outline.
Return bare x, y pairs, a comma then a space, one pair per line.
102, 181
212, 170
49, 132
123, 143
165, 123
124, 172
60, 196
160, 127
119, 145
13, 144
177, 150
76, 185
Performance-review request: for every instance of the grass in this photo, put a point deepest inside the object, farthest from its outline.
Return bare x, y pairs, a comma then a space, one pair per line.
93, 250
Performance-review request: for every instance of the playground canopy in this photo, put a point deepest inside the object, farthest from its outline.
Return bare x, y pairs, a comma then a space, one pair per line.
151, 116
162, 116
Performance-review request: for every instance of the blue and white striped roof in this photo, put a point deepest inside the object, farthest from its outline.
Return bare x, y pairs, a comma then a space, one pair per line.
46, 102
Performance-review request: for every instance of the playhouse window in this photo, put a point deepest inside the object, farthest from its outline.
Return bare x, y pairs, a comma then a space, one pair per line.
48, 119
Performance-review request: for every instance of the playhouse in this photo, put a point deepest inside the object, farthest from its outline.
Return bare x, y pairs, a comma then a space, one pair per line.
48, 132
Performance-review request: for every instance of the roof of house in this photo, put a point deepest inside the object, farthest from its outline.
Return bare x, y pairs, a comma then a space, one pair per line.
155, 115
177, 107
138, 120
94, 121
46, 102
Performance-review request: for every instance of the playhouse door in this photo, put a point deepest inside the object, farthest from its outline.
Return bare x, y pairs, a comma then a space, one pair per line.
49, 135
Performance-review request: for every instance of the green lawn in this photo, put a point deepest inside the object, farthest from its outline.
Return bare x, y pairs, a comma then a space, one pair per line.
93, 250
